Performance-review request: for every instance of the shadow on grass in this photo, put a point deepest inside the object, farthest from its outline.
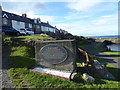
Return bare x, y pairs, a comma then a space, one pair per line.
109, 55
18, 38
115, 55
99, 79
82, 70
115, 72
21, 62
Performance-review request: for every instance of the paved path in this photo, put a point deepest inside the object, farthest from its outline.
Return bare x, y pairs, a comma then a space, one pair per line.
109, 58
6, 80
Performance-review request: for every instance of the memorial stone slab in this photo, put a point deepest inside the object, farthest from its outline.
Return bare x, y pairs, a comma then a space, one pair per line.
57, 54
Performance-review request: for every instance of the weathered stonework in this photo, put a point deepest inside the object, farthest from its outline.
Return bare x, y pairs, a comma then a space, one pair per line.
69, 64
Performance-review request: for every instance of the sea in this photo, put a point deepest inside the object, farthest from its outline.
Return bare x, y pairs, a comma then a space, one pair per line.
112, 47
107, 36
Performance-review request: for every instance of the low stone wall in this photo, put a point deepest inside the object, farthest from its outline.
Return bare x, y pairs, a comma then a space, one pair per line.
113, 40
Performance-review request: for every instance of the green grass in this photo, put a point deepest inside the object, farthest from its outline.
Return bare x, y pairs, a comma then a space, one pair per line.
22, 59
115, 54
11, 40
23, 78
35, 37
98, 48
81, 42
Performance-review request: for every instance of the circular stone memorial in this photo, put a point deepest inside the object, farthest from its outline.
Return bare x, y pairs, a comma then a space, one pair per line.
53, 53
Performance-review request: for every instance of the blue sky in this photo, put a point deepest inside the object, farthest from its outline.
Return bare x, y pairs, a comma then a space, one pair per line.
79, 17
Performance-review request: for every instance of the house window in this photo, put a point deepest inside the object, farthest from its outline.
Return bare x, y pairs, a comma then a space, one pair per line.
18, 23
37, 26
35, 21
5, 21
39, 21
30, 25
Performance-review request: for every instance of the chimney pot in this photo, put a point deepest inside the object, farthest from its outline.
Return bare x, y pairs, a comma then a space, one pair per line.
24, 15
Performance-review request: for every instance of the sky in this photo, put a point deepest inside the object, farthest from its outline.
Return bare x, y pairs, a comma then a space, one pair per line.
78, 17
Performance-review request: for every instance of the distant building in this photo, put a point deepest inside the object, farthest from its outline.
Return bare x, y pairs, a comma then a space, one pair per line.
16, 21
21, 22
47, 28
37, 25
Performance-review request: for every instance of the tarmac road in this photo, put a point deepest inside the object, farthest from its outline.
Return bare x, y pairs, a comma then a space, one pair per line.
109, 58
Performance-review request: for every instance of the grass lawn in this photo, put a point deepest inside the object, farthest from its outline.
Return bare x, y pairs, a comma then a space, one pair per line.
98, 48
22, 58
35, 37
113, 53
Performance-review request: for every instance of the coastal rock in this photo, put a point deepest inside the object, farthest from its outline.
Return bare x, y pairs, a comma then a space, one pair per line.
105, 43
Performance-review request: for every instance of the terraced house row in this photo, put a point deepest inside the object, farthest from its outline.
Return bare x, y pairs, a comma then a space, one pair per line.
20, 22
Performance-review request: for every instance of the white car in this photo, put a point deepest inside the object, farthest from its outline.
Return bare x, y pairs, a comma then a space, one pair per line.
22, 31
29, 31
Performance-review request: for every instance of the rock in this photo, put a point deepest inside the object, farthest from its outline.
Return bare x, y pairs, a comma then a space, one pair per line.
88, 78
104, 44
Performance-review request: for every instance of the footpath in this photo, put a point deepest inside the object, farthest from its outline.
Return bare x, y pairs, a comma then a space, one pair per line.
6, 80
109, 58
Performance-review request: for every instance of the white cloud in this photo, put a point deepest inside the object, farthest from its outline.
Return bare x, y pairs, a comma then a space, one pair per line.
64, 26
107, 16
44, 18
79, 24
76, 16
53, 0
108, 19
97, 26
82, 5
101, 22
33, 10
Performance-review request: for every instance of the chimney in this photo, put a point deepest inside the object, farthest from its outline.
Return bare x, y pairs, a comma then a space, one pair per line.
47, 22
24, 15
0, 7
38, 19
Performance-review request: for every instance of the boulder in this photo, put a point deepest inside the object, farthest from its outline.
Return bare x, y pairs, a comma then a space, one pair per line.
105, 43
88, 78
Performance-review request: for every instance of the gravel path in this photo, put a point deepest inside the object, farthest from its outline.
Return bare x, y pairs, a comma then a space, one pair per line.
109, 58
6, 80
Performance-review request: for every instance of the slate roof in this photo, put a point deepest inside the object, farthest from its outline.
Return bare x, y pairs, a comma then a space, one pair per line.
16, 17
46, 24
12, 16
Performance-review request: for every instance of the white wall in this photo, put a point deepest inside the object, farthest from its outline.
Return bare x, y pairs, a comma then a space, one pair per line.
54, 30
51, 30
43, 28
18, 25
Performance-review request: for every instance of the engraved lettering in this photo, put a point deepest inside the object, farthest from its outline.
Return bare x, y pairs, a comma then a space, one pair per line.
54, 53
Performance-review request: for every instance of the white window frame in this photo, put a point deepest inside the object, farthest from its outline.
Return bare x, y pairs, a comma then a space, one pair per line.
5, 20
18, 23
30, 25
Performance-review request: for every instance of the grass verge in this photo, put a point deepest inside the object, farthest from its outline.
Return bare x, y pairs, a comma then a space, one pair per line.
22, 58
113, 53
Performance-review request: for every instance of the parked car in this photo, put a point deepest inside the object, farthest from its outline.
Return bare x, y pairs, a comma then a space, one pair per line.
29, 31
6, 30
22, 31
